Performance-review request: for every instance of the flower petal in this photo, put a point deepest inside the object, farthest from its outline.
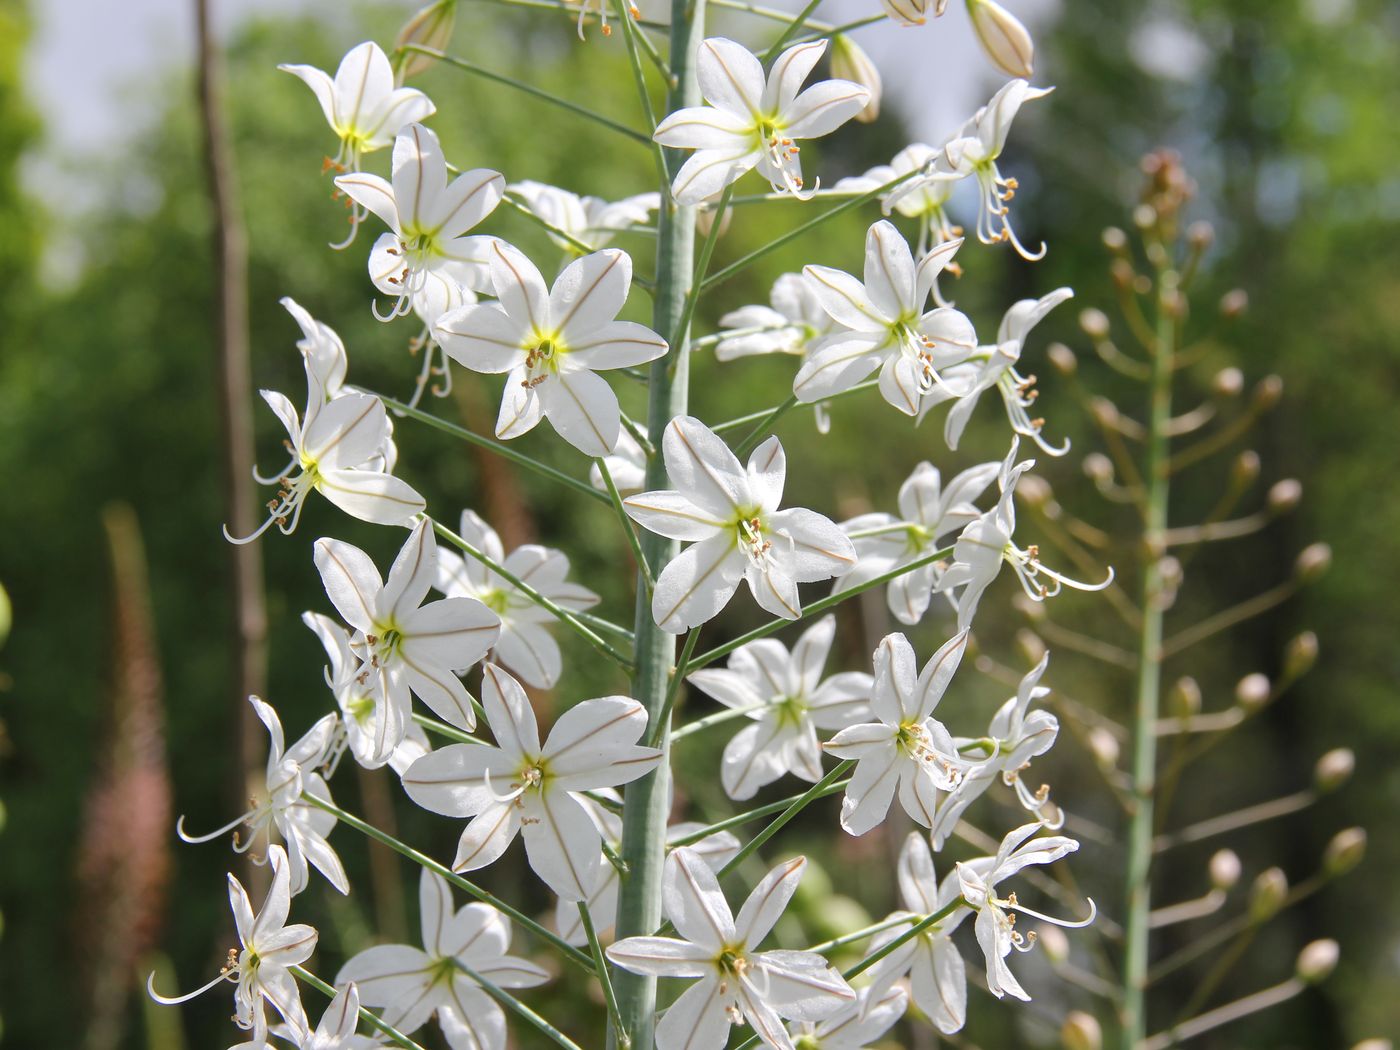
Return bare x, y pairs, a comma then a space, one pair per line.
483, 337
619, 344
509, 713
562, 844
697, 584
789, 70
823, 108
352, 582
694, 902
589, 293
487, 835
731, 77
668, 513
766, 904
583, 409
696, 1020
662, 957
519, 286
373, 496
453, 780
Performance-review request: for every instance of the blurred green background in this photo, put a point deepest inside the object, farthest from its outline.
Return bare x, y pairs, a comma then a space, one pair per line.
1284, 114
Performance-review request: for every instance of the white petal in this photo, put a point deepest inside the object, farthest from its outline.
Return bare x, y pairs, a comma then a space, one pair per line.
619, 344
452, 633
694, 902
871, 790
937, 673
697, 1020
486, 837
352, 582
521, 406
766, 904
900, 384
668, 513
591, 728
889, 271
321, 85
706, 128
453, 779
372, 193
562, 844
810, 653
767, 471
750, 761
441, 690
662, 957
823, 108
702, 467
362, 79
469, 198
434, 910
473, 1021
519, 286
846, 300
803, 985
483, 337
918, 794
583, 409
509, 713
531, 653
837, 364
918, 882
730, 76
789, 70
387, 974
774, 589
589, 293
419, 178
896, 672
819, 549
709, 171
730, 689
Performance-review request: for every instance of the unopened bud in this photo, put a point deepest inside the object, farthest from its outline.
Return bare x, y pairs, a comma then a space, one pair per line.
1317, 961
1233, 303
1345, 851
1144, 216
1186, 697
1034, 490
1374, 1044
1246, 467
1062, 359
705, 221
1098, 467
1300, 655
1094, 322
1228, 382
1081, 1032
1003, 38
1114, 239
1105, 411
1225, 869
1053, 942
1171, 573
431, 27
1104, 746
1031, 645
910, 12
1284, 495
1032, 610
1201, 235
1334, 769
850, 62
1122, 272
1253, 691
1268, 392
1313, 562
1268, 893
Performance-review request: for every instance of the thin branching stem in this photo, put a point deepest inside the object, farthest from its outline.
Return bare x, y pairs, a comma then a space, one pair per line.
628, 529
373, 1019
793, 28
600, 963
816, 791
513, 1004
702, 262
754, 417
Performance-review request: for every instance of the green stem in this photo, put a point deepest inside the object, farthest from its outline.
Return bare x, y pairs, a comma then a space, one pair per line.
423, 860
858, 935
375, 1021
520, 1009
432, 725
764, 426
600, 962
727, 715
816, 791
754, 417
647, 801
793, 28
757, 813
628, 529
632, 36
662, 727
703, 262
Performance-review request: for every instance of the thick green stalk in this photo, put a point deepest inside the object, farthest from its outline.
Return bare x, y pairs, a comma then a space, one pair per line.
1149, 683
647, 800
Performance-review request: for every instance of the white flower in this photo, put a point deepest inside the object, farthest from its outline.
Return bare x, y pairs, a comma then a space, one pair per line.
937, 976
752, 121
996, 921
428, 218
998, 370
302, 826
789, 326
922, 197
520, 786
337, 1028
716, 850
854, 1027
525, 646
785, 696
588, 220
733, 983
1002, 37
975, 152
411, 647
1016, 735
410, 984
359, 693
361, 104
732, 513
912, 12
627, 465
907, 748
928, 513
552, 342
987, 542
881, 323
260, 969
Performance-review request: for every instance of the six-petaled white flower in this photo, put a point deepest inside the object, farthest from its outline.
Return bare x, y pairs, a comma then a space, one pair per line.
552, 342
856, 1026
410, 984
783, 693
733, 982
525, 645
754, 121
881, 323
731, 511
411, 647
907, 748
789, 325
521, 786
336, 1030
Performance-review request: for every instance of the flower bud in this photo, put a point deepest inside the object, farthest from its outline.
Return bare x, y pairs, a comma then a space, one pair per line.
1225, 869
1098, 467
1234, 303
1201, 234
1081, 1032
1345, 851
431, 27
1003, 37
1317, 961
1374, 1044
1031, 645
1055, 945
1144, 216
1253, 691
1105, 411
1334, 769
1300, 655
1186, 697
1285, 495
1228, 382
1104, 746
1031, 610
1094, 322
1313, 562
850, 62
1246, 467
705, 220
910, 12
1114, 239
1034, 491
1268, 392
1122, 273
1267, 895
1062, 359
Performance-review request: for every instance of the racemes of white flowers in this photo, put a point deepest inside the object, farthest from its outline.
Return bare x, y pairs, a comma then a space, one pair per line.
785, 696
733, 982
987, 543
995, 366
591, 221
975, 153
525, 646
428, 219
260, 970
856, 1026
789, 325
411, 647
928, 512
523, 786
291, 772
359, 693
906, 748
731, 512
922, 193
996, 916
1015, 736
552, 342
882, 324
937, 976
410, 984
753, 121
716, 850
